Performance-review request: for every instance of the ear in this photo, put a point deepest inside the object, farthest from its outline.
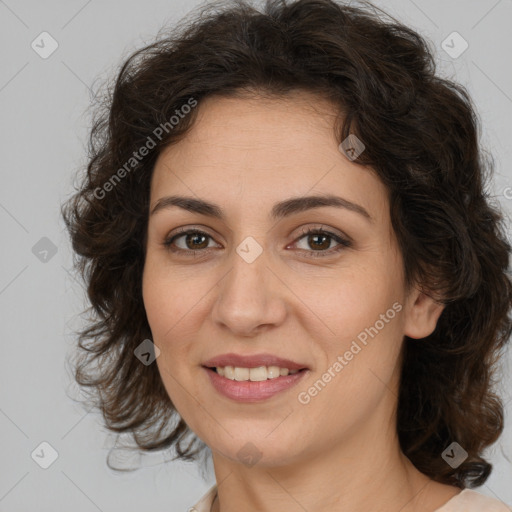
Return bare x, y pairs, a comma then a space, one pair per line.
422, 313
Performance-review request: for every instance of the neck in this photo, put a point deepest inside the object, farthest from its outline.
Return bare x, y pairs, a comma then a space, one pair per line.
363, 472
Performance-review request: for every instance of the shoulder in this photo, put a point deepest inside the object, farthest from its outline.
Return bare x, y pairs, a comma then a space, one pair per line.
205, 503
469, 500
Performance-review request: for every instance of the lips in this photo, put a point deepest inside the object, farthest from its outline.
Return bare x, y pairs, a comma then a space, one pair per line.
253, 361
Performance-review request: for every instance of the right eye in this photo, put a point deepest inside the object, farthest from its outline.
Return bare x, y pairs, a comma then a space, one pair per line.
192, 238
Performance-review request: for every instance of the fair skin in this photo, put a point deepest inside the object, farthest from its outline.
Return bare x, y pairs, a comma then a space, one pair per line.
340, 451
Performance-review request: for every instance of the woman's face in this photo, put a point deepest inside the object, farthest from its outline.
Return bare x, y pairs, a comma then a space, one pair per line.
258, 285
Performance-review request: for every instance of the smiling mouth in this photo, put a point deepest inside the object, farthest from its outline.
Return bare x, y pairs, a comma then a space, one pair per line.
254, 384
255, 374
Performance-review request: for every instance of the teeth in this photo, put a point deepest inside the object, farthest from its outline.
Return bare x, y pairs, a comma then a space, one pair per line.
253, 374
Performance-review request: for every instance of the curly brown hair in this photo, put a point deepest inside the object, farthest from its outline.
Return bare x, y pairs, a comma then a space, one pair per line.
421, 135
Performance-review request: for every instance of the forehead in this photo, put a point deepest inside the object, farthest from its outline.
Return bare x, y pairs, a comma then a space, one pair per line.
282, 127
263, 148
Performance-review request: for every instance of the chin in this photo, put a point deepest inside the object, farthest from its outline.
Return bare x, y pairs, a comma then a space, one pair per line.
251, 450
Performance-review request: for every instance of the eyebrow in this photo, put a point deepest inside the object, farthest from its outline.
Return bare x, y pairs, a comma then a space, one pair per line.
279, 210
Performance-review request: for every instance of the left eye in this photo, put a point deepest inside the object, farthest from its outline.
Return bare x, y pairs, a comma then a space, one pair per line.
318, 237
197, 241
193, 236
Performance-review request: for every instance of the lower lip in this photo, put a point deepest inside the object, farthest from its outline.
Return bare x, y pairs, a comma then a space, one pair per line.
249, 391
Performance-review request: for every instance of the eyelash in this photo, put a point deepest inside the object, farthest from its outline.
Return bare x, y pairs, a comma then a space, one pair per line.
343, 243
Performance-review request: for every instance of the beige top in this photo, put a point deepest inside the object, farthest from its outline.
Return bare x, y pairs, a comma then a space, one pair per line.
467, 500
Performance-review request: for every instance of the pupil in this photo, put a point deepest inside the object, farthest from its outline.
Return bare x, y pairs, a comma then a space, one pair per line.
194, 237
321, 236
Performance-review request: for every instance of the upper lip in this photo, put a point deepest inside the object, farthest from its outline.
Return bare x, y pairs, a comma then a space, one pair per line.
252, 361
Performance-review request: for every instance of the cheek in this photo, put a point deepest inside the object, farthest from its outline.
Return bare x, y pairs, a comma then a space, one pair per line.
362, 310
360, 367
353, 301
166, 299
174, 311
157, 299
165, 306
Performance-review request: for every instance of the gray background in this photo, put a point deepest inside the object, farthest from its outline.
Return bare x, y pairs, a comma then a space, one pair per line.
44, 126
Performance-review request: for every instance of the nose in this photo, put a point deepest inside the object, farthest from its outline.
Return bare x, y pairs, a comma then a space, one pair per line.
251, 298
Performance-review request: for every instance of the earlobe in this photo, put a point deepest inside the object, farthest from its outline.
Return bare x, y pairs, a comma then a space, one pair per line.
422, 314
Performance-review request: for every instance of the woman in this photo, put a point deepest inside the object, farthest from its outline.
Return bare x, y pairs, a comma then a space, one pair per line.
293, 263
